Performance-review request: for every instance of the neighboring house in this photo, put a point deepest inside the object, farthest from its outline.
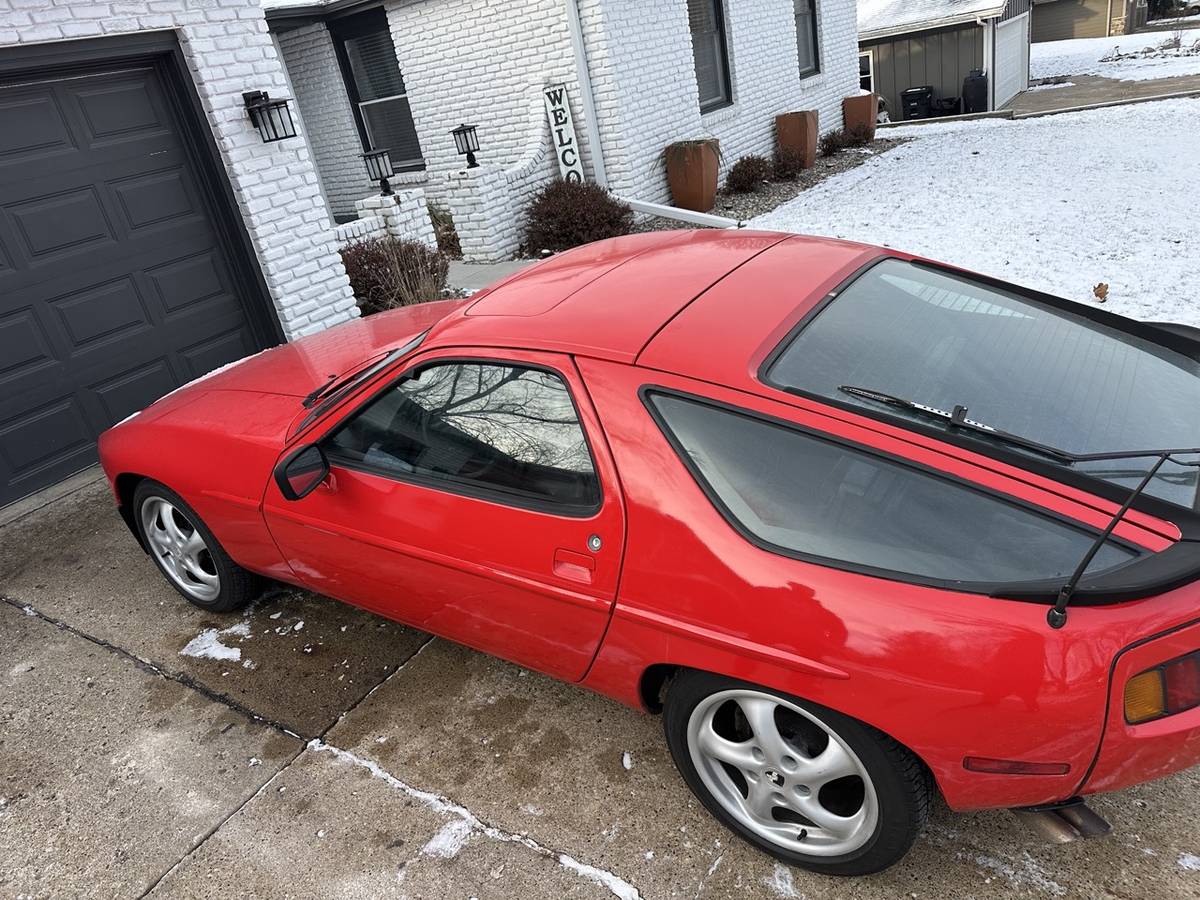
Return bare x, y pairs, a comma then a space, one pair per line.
937, 43
1061, 20
402, 74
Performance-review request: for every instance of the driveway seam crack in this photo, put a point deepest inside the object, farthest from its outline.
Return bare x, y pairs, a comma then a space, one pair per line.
439, 803
147, 666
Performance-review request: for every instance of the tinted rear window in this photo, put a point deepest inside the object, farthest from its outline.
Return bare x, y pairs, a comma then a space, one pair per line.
794, 491
1053, 376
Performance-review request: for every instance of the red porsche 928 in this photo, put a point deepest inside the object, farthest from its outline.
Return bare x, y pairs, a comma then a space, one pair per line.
862, 526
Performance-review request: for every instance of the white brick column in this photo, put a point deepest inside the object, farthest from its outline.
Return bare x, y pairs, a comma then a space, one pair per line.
482, 203
405, 214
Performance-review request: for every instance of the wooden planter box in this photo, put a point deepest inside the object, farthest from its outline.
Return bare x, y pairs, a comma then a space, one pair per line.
692, 170
798, 131
860, 112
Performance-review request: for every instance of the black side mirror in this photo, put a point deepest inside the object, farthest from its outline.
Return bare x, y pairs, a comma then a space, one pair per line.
299, 473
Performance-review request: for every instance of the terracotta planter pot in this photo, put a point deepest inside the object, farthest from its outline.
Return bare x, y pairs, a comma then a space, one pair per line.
692, 175
798, 131
860, 112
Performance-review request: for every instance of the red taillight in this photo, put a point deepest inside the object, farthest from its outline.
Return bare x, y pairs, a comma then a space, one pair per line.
1182, 678
1013, 766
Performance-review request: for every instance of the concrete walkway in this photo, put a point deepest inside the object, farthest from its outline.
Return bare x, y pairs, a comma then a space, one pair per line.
476, 276
316, 750
1085, 90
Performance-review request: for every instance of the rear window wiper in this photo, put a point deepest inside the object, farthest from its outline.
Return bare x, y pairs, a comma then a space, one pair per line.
957, 418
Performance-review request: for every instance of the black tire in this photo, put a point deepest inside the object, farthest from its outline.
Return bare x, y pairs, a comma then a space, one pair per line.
902, 783
237, 586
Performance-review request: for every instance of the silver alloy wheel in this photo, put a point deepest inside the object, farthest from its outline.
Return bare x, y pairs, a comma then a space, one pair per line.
180, 549
782, 773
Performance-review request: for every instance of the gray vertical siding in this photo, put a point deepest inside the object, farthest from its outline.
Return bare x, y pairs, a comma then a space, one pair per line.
1015, 8
941, 58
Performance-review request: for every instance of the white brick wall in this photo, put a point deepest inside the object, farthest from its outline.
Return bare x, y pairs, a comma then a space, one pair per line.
328, 119
645, 86
485, 62
228, 51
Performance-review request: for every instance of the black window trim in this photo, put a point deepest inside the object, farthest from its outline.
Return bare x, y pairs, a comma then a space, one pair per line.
1021, 591
533, 503
1187, 520
816, 38
340, 28
726, 100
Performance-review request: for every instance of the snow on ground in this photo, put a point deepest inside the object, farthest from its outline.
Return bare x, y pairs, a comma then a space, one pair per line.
1059, 203
1083, 56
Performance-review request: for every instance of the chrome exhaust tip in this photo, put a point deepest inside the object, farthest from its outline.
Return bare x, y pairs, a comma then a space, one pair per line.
1061, 823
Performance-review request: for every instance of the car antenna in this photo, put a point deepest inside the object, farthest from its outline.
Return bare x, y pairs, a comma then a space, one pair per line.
1057, 616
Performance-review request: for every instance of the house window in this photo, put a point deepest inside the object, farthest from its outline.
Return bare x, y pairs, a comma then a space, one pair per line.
866, 71
376, 86
806, 37
709, 53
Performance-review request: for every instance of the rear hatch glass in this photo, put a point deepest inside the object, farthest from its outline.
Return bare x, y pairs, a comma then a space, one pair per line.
1054, 376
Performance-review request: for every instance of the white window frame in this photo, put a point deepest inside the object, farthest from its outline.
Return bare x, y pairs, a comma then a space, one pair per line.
870, 55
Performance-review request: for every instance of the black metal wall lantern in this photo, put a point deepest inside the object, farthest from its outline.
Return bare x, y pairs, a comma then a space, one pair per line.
379, 167
467, 142
272, 118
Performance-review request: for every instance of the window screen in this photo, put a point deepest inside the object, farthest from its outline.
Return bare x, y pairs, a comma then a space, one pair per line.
709, 52
814, 497
1042, 373
495, 428
806, 36
376, 86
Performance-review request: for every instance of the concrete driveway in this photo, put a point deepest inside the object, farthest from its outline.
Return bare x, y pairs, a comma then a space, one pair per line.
335, 754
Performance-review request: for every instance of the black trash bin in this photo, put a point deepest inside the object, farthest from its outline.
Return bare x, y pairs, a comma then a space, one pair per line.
946, 106
916, 101
975, 92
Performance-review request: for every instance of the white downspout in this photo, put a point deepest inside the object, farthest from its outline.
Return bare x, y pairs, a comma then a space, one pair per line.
586, 100
989, 59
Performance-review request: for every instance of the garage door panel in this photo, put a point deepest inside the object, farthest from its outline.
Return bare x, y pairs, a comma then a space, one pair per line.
52, 226
133, 390
46, 439
101, 314
200, 278
156, 198
207, 355
120, 108
24, 347
115, 283
34, 126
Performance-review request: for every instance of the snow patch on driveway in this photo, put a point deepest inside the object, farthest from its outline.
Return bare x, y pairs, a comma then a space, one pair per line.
1093, 56
1189, 861
449, 840
1059, 203
207, 644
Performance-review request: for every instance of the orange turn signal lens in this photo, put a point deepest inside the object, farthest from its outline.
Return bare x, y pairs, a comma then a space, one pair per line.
1145, 697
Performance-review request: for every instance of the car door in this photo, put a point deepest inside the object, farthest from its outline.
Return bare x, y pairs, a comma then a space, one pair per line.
473, 497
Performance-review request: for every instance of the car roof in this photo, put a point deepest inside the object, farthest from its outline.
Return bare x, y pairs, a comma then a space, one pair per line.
611, 298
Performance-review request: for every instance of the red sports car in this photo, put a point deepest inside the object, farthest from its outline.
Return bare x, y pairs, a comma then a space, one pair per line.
862, 526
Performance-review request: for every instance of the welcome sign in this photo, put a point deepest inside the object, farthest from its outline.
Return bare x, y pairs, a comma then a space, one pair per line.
562, 132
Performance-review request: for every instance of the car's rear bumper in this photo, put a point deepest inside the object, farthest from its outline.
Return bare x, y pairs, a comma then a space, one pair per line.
1132, 754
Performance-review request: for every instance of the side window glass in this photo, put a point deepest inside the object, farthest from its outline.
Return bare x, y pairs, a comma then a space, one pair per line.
801, 494
478, 427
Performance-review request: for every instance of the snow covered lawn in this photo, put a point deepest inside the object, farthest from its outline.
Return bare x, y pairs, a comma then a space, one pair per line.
1084, 56
1059, 203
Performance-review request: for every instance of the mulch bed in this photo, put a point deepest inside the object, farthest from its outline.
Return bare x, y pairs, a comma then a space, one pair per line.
775, 193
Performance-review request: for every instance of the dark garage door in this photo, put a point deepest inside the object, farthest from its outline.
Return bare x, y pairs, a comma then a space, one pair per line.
115, 284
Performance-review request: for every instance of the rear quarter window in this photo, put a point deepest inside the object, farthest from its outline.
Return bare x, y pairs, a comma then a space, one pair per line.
803, 495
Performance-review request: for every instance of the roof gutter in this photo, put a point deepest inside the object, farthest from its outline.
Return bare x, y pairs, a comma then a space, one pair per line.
586, 100
963, 19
